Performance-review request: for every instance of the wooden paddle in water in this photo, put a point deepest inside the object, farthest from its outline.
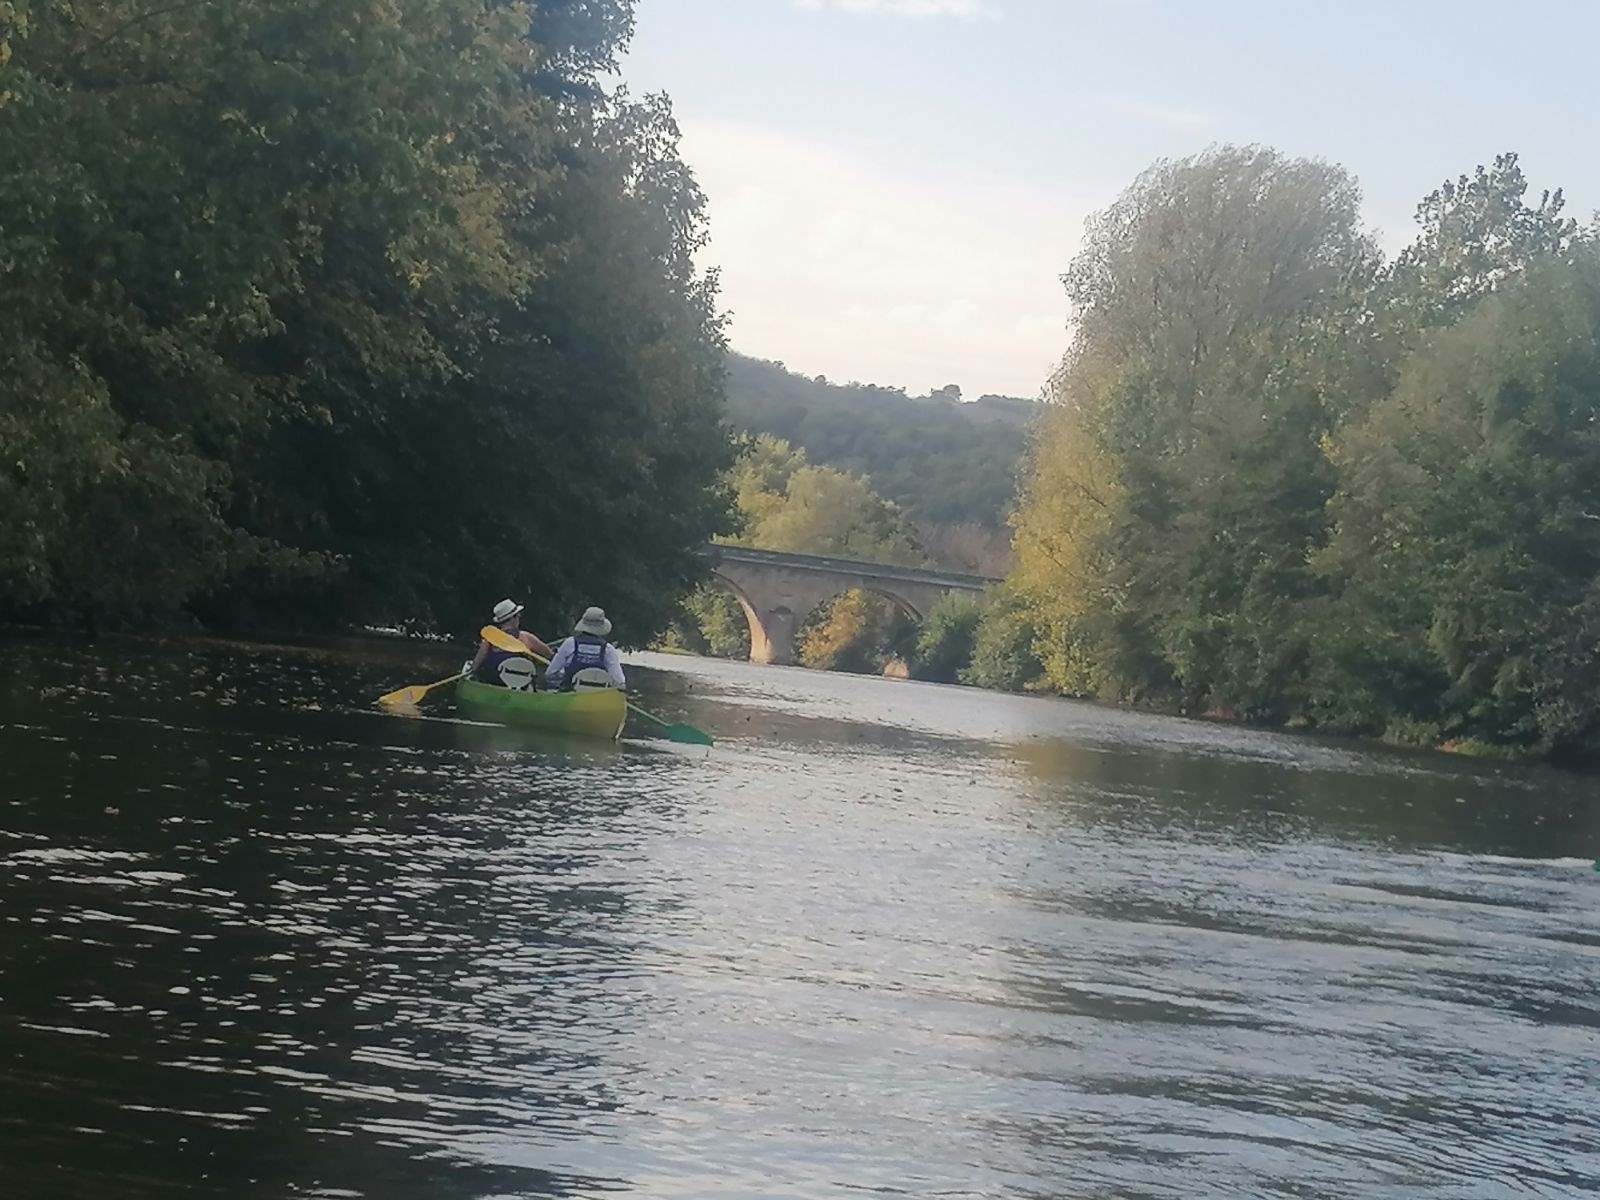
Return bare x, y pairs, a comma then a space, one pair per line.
413, 695
688, 734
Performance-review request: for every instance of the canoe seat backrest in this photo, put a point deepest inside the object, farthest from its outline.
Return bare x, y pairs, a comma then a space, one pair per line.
591, 678
517, 674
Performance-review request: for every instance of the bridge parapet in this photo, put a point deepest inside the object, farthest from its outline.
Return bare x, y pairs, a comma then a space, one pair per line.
776, 590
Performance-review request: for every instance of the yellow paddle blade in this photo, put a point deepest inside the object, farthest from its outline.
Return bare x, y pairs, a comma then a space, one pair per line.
404, 696
501, 640
412, 696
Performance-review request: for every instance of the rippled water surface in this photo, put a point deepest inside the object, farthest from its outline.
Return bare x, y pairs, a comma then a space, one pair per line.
262, 940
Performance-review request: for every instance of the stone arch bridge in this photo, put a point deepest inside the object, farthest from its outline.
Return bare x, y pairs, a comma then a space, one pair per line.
777, 590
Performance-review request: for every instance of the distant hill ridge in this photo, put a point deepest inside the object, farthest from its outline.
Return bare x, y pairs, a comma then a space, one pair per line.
944, 460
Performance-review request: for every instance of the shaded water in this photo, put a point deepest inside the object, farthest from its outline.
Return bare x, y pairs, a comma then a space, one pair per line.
260, 940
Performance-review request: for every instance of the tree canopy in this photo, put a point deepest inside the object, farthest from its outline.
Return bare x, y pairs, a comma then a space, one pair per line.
1464, 551
1284, 479
1178, 479
320, 311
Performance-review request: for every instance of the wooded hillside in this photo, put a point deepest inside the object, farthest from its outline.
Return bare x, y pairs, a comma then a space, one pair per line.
943, 460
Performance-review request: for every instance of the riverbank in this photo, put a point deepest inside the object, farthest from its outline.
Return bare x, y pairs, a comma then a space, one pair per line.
442, 653
1405, 737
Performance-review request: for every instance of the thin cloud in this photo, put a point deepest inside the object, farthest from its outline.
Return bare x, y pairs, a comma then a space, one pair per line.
1181, 118
837, 265
906, 8
1155, 112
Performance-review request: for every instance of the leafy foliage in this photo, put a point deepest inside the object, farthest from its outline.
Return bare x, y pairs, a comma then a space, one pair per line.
856, 632
344, 313
1477, 233
788, 504
1285, 480
941, 460
1005, 653
944, 643
1177, 486
1466, 544
710, 622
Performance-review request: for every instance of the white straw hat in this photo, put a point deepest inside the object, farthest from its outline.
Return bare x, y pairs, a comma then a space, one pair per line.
505, 610
593, 621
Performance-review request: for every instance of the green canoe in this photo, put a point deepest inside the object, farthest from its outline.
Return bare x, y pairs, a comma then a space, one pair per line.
599, 713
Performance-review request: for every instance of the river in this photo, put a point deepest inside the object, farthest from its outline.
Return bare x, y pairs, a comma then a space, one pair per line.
262, 940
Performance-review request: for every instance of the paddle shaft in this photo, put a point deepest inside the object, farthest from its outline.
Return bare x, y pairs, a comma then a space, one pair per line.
649, 716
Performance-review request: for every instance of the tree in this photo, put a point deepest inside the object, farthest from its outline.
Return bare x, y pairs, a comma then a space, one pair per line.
788, 504
1283, 480
169, 182
760, 479
945, 642
942, 462
310, 291
1467, 545
1477, 233
821, 510
1003, 649
785, 503
1064, 559
579, 460
710, 622
856, 632
1179, 485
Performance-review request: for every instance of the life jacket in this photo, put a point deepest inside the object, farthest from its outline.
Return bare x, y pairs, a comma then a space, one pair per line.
588, 657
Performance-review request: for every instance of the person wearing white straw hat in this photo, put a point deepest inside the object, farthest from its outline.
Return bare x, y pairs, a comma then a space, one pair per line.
586, 659
493, 665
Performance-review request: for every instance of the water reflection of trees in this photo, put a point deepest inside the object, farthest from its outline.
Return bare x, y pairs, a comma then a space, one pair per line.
1240, 971
1294, 789
268, 952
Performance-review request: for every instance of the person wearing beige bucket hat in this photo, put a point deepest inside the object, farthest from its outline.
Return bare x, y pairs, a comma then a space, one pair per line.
586, 659
493, 665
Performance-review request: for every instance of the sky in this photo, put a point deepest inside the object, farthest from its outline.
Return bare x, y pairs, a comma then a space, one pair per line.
896, 186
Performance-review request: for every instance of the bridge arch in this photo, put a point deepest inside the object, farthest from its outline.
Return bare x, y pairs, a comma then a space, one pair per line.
779, 622
777, 590
914, 611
